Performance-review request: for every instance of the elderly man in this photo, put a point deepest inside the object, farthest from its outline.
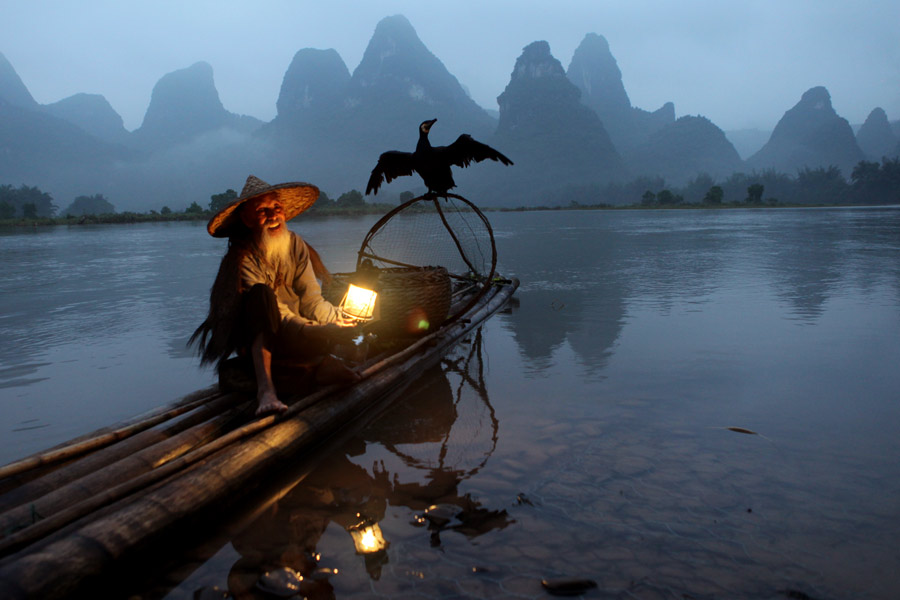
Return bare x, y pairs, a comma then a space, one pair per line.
266, 300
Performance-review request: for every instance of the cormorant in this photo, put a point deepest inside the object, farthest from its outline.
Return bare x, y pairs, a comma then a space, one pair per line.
432, 164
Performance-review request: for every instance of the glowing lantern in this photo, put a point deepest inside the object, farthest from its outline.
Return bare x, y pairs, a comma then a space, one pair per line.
367, 537
358, 303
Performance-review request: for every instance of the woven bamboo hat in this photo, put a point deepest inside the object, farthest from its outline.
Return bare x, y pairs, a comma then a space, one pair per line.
295, 196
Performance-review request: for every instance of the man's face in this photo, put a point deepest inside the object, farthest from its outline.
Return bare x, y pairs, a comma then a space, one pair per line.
264, 215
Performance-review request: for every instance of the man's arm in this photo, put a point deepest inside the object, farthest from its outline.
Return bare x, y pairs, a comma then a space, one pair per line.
312, 304
252, 272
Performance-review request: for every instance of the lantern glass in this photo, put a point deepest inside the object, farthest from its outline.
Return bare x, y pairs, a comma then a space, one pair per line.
367, 538
358, 303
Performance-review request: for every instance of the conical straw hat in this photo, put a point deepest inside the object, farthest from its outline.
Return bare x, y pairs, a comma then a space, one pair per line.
295, 196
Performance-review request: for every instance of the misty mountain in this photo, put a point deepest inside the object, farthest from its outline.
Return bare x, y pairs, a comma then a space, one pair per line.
684, 149
190, 146
876, 138
596, 74
399, 80
646, 122
332, 125
335, 125
554, 139
313, 91
12, 90
185, 104
93, 114
652, 143
187, 148
811, 134
41, 150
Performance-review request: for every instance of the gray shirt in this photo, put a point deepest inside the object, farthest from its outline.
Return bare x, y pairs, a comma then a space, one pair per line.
299, 296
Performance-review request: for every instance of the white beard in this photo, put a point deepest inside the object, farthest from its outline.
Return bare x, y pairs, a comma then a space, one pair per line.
277, 247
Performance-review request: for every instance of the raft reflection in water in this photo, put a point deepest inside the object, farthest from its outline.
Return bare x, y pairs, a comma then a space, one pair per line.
442, 432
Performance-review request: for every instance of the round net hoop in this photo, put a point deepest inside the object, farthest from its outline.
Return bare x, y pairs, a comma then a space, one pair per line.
431, 230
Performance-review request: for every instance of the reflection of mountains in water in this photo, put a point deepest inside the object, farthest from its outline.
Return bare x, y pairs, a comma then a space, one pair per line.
589, 320
807, 266
584, 272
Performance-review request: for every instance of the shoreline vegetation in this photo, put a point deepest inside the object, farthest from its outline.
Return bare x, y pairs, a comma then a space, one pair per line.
126, 218
871, 184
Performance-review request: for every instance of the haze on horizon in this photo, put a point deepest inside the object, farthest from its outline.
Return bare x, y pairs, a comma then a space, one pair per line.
740, 64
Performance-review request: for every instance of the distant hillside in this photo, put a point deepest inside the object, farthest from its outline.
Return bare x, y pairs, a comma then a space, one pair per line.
553, 138
596, 74
41, 150
810, 134
569, 132
876, 138
335, 125
93, 114
185, 104
12, 90
686, 148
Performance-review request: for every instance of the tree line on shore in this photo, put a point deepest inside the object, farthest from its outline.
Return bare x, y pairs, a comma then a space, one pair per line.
27, 204
870, 183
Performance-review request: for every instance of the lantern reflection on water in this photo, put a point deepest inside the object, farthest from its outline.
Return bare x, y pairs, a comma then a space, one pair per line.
358, 303
367, 537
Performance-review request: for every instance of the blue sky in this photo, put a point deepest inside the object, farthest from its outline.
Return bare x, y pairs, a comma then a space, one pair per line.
742, 64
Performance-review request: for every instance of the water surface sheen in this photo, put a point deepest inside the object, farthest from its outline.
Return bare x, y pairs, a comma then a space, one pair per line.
585, 432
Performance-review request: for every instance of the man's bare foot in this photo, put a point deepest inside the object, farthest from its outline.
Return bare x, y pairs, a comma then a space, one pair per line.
269, 403
333, 370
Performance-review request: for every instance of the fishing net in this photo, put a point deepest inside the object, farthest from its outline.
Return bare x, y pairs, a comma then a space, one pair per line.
430, 259
448, 231
430, 231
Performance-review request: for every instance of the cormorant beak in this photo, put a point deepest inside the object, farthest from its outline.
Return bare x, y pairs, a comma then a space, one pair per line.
426, 126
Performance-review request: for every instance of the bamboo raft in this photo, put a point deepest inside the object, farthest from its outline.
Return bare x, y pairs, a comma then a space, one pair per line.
72, 514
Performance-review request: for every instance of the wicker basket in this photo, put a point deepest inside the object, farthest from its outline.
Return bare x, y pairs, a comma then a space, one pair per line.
411, 300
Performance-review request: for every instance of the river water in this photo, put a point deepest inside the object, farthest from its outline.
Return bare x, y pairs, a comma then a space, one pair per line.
582, 433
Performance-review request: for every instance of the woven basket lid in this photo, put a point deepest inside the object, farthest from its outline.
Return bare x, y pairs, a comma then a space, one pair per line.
295, 196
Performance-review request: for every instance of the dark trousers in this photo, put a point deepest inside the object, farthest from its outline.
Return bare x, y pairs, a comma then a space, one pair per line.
294, 358
259, 315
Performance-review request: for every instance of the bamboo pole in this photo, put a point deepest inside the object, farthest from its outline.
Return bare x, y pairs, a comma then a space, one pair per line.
106, 456
97, 440
87, 494
61, 566
47, 501
39, 510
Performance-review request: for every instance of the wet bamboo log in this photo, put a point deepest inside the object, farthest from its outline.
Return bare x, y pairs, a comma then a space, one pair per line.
98, 439
85, 498
111, 454
61, 565
58, 509
23, 470
125, 469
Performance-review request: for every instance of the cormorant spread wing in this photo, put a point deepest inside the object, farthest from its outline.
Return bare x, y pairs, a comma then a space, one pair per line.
466, 149
432, 164
391, 165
